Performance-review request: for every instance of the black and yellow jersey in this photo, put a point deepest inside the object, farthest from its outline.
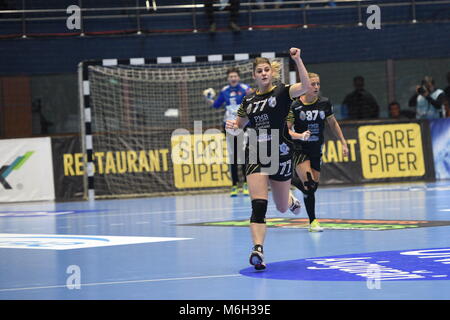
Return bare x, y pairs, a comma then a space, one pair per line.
267, 111
310, 116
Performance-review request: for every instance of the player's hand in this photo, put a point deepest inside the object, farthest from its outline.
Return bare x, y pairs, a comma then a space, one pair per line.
305, 135
232, 127
231, 124
345, 150
295, 53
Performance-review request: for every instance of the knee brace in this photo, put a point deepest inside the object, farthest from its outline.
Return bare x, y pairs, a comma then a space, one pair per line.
310, 185
259, 209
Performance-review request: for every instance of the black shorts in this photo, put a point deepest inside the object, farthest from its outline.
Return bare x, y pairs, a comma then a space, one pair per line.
283, 173
314, 155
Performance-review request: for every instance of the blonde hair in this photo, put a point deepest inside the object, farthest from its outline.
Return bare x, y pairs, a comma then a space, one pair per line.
313, 75
274, 65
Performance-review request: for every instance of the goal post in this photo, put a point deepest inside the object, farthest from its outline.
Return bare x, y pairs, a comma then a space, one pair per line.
130, 109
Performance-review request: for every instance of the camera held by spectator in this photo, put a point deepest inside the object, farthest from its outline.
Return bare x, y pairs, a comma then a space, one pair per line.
429, 101
422, 90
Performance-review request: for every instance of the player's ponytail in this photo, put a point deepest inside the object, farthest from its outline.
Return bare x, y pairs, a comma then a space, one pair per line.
276, 68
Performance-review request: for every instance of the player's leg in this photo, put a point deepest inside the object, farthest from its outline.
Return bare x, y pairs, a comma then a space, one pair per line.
234, 179
232, 154
315, 172
307, 181
281, 188
240, 150
258, 188
281, 194
245, 191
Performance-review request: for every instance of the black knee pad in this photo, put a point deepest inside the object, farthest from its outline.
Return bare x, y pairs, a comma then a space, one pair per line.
259, 209
310, 185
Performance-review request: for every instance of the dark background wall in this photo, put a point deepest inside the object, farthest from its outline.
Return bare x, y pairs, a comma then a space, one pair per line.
333, 45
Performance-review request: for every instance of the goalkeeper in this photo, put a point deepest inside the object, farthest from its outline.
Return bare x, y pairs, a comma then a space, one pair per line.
231, 97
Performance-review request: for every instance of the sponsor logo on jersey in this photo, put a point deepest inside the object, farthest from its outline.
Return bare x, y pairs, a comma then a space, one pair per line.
322, 114
284, 149
272, 102
302, 115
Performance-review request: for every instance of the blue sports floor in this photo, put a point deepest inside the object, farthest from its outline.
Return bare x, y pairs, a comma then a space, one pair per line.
380, 242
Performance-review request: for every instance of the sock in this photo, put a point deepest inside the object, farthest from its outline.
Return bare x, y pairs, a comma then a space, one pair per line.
310, 205
259, 248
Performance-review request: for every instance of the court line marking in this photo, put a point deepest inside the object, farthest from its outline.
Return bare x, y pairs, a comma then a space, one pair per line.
122, 282
233, 208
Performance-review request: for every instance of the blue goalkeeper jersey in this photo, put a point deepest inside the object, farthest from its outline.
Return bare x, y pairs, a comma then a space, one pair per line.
231, 97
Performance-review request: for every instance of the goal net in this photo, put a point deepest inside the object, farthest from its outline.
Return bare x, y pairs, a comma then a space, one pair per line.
140, 114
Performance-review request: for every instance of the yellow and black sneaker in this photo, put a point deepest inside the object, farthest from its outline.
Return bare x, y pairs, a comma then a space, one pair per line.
245, 189
234, 191
315, 226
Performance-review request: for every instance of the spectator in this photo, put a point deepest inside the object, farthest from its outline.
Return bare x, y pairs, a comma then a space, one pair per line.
360, 103
395, 112
39, 121
429, 101
234, 13
447, 90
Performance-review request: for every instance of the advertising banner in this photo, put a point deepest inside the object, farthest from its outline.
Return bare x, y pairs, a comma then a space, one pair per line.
440, 136
191, 161
68, 167
201, 162
146, 170
381, 152
26, 170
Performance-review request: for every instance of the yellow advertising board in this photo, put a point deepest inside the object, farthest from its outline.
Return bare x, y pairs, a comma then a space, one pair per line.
200, 161
391, 151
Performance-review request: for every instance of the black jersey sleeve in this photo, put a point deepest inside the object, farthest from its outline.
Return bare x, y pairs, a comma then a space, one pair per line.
287, 87
290, 117
284, 96
241, 111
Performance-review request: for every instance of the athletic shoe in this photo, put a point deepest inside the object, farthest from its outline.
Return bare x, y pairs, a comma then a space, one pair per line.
234, 191
295, 206
245, 189
257, 258
315, 226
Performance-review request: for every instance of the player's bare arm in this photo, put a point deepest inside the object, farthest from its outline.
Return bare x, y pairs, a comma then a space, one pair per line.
334, 125
300, 88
